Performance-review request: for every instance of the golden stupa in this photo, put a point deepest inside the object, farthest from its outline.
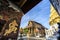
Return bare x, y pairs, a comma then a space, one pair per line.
54, 17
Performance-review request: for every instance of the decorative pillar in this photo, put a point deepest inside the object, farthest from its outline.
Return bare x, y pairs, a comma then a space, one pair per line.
12, 17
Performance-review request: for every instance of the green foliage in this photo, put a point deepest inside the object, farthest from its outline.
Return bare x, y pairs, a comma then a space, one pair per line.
25, 30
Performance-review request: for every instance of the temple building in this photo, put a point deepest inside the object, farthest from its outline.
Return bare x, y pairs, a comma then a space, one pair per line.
54, 19
35, 29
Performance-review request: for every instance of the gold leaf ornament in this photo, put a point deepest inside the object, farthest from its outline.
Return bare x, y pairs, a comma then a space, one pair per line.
12, 28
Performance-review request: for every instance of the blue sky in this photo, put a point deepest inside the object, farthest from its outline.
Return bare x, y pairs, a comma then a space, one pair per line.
40, 13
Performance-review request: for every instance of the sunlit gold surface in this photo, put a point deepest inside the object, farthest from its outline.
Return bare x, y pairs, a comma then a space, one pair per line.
12, 28
54, 17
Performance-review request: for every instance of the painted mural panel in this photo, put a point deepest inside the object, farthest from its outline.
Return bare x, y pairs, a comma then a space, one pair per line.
9, 21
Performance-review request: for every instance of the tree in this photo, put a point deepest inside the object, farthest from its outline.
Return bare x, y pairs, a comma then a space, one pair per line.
26, 30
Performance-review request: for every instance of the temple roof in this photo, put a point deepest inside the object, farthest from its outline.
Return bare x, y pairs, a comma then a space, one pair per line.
25, 5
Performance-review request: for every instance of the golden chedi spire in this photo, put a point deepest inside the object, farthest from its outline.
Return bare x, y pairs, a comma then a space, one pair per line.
54, 17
